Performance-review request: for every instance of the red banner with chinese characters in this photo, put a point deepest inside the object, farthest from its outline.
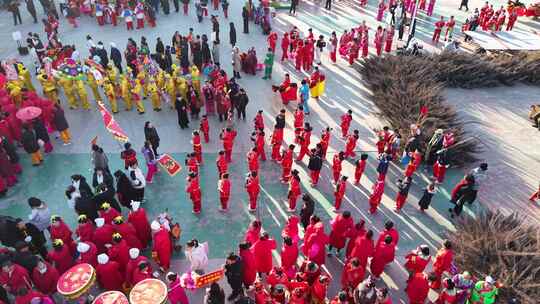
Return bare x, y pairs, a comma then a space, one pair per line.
168, 163
209, 278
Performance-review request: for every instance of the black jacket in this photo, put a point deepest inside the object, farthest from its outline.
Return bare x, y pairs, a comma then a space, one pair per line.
26, 259
41, 130
116, 56
151, 135
59, 120
102, 54
242, 100
29, 141
280, 122
235, 272
10, 150
87, 207
232, 35
160, 48
315, 163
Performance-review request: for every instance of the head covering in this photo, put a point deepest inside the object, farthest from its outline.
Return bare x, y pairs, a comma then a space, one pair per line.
82, 218
113, 44
82, 247
103, 258
155, 225
134, 253
58, 243
490, 280
118, 220
135, 205
105, 206
55, 218
100, 221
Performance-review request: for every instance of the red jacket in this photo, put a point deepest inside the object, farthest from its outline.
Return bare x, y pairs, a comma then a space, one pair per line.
352, 276
16, 280
63, 233
336, 163
287, 158
252, 185
341, 188
131, 266
89, 257
120, 253
417, 288
253, 160
102, 236
415, 263
221, 163
85, 231
345, 121
289, 256
298, 119
139, 220
443, 260
340, 227
62, 259
109, 215
224, 186
46, 282
259, 122
262, 250
363, 249
162, 246
250, 266
294, 187
129, 234
109, 276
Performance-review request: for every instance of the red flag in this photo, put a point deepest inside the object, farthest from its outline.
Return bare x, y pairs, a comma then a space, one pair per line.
423, 111
111, 124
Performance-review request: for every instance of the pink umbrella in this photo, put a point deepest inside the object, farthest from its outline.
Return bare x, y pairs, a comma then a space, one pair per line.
28, 113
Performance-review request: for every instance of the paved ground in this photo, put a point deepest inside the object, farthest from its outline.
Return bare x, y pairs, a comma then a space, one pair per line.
344, 90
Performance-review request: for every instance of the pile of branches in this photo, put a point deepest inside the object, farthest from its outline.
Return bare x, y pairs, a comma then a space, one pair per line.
464, 70
504, 247
400, 86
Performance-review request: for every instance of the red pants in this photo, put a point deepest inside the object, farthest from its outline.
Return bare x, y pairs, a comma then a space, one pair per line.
113, 19
382, 176
140, 23
292, 201
286, 174
378, 47
228, 154
261, 154
129, 25
226, 13
215, 4
336, 175
314, 176
186, 7
152, 22
196, 205
365, 51
284, 54
374, 204
337, 202
439, 172
333, 57
357, 176
400, 201
253, 200
205, 12
100, 20
275, 151
344, 131
436, 35
198, 156
152, 169
206, 137
350, 152
224, 200
303, 151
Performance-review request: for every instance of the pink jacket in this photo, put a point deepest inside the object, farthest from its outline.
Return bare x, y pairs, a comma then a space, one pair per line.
176, 293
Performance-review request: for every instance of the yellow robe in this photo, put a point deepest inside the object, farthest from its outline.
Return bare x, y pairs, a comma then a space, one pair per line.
26, 78
126, 93
49, 87
69, 90
92, 83
108, 88
138, 100
154, 96
83, 95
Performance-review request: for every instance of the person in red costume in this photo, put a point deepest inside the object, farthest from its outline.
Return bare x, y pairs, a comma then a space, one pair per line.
339, 193
286, 163
319, 289
304, 140
298, 122
262, 249
224, 189
137, 217
379, 39
13, 277
59, 230
325, 141
354, 50
134, 260
60, 256
363, 248
294, 190
108, 273
417, 260
272, 41
162, 246
262, 296
102, 234
87, 253
205, 128
221, 163
376, 196
418, 287
512, 18
345, 124
119, 251
276, 141
45, 277
337, 165
384, 254
340, 298
437, 32
192, 164
197, 146
299, 59
289, 256
253, 232
85, 229
442, 263
227, 136
252, 187
108, 213
127, 231
316, 244
194, 190
353, 273
360, 166
389, 39
389, 230
353, 234
285, 42
143, 271
258, 121
248, 260
340, 225
364, 42
309, 49
351, 144
449, 294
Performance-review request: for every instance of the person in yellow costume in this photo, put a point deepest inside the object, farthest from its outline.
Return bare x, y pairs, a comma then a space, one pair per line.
170, 88
109, 90
15, 92
112, 73
196, 78
49, 87
93, 84
69, 90
160, 79
26, 78
136, 93
125, 88
141, 78
182, 87
154, 94
83, 95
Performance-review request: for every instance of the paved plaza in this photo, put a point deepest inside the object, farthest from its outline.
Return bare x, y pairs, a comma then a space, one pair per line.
497, 117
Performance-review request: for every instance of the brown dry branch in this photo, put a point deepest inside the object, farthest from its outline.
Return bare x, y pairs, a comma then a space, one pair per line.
502, 246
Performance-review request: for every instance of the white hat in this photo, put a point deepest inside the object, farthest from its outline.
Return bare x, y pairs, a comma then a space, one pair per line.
135, 205
100, 221
490, 280
134, 253
103, 258
82, 247
155, 225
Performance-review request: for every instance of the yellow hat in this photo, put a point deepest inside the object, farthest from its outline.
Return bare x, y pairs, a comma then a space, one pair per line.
82, 218
118, 220
117, 236
105, 206
58, 243
55, 218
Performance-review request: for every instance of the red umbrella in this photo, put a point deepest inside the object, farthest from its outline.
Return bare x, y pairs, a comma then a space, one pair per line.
28, 113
